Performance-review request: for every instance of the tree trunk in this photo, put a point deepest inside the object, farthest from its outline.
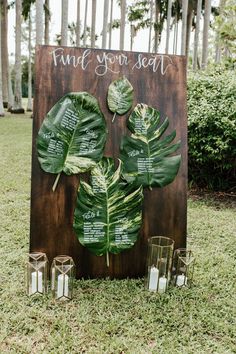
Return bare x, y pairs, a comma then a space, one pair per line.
122, 23
39, 22
218, 46
207, 13
110, 25
150, 27
168, 26
29, 104
17, 106
184, 26
78, 24
10, 92
156, 27
2, 113
105, 23
47, 20
196, 35
93, 24
85, 24
189, 28
4, 49
64, 22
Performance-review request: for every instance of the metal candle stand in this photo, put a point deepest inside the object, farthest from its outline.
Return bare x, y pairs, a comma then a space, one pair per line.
36, 269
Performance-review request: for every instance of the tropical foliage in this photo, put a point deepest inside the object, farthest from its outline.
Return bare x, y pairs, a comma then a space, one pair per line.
108, 212
212, 129
72, 136
146, 158
120, 96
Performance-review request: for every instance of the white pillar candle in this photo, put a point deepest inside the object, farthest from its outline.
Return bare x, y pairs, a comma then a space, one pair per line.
36, 282
153, 279
181, 280
162, 284
62, 285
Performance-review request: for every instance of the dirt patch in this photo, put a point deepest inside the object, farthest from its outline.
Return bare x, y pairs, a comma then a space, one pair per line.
216, 199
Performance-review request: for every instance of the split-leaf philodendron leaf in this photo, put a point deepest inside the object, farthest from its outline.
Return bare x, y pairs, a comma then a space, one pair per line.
146, 158
72, 136
120, 96
108, 212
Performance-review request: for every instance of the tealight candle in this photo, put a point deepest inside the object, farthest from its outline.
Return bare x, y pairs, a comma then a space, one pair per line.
62, 285
153, 278
181, 280
37, 282
162, 284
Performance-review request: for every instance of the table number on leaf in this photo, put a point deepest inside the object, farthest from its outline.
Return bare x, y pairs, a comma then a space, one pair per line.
66, 143
108, 231
155, 166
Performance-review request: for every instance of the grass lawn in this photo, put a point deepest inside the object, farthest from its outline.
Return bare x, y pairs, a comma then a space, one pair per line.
116, 316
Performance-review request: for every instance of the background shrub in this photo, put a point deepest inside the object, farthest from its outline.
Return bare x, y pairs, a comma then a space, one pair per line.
212, 129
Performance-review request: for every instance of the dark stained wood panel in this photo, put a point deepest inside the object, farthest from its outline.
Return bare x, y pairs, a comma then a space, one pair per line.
159, 81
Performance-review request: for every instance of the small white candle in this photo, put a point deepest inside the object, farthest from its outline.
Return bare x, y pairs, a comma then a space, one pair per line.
181, 280
62, 285
37, 282
153, 279
162, 284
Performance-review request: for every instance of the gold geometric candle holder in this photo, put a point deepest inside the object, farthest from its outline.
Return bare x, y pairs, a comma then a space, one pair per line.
62, 277
36, 269
159, 261
183, 267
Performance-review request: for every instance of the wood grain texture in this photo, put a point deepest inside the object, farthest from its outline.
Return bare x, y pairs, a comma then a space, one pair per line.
164, 210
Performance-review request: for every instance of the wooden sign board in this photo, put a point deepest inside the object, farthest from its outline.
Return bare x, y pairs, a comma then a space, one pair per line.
160, 82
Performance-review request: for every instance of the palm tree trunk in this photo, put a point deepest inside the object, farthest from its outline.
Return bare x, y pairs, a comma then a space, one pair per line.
64, 21
207, 13
39, 22
4, 49
150, 27
110, 25
156, 27
218, 46
47, 20
17, 106
184, 26
189, 28
29, 104
78, 24
85, 24
105, 23
93, 24
2, 113
196, 34
10, 92
168, 26
122, 23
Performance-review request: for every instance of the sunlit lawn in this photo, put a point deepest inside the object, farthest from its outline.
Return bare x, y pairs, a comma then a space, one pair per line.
112, 316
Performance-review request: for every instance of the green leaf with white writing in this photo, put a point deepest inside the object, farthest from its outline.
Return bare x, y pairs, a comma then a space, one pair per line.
108, 212
72, 136
120, 96
148, 160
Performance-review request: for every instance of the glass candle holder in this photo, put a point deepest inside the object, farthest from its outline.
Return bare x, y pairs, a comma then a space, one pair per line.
62, 277
159, 262
36, 273
183, 267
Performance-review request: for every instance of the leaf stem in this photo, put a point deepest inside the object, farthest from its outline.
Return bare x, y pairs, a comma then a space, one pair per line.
114, 117
56, 181
107, 258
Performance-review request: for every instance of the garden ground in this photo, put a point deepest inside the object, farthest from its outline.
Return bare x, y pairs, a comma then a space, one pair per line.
116, 316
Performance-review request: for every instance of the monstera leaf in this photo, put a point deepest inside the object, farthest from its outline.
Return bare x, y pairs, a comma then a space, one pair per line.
120, 96
72, 136
108, 212
146, 158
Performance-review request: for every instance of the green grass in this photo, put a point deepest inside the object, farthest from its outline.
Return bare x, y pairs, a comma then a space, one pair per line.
116, 316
